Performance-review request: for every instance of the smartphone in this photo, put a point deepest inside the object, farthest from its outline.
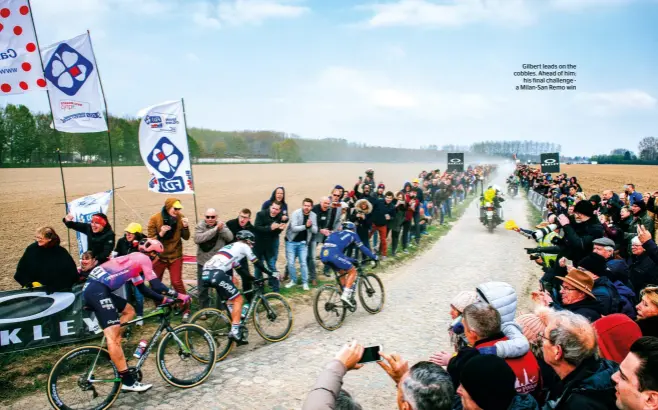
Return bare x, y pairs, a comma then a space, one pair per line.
371, 354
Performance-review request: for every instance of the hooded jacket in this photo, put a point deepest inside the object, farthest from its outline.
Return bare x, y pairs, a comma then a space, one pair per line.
589, 386
365, 223
616, 333
100, 244
284, 205
172, 241
502, 297
52, 266
209, 240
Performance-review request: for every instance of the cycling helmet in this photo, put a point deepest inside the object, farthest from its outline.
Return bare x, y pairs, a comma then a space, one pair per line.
150, 245
370, 171
245, 235
349, 226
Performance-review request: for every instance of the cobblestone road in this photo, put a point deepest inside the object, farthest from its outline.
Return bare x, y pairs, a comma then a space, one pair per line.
413, 323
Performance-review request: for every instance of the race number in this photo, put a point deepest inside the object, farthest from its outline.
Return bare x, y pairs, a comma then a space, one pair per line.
97, 273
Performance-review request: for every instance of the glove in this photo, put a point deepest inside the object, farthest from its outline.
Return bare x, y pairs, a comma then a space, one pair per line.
166, 301
488, 350
184, 298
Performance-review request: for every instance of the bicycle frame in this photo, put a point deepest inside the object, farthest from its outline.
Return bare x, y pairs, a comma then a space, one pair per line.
258, 294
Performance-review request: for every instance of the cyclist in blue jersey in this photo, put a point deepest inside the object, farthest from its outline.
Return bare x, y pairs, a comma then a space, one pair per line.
332, 254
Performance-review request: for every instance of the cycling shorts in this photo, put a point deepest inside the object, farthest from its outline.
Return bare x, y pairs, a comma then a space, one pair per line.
335, 259
222, 282
105, 304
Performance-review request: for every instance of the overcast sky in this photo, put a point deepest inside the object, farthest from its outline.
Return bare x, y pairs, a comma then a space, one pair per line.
395, 73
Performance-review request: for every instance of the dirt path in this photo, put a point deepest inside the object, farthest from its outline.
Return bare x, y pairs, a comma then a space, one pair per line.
413, 323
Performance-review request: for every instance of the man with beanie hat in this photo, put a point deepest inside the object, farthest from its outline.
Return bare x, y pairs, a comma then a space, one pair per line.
487, 383
100, 236
171, 227
616, 333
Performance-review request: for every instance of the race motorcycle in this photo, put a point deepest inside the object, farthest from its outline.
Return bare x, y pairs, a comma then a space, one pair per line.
512, 189
491, 211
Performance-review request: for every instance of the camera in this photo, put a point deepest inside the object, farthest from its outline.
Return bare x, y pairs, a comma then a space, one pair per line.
540, 233
534, 256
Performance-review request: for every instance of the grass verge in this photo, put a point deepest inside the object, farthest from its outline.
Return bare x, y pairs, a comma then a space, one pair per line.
26, 372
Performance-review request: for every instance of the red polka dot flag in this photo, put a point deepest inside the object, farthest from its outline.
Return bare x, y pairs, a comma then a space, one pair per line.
20, 68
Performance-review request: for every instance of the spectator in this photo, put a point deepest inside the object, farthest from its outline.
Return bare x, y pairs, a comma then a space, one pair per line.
534, 325
267, 229
46, 263
413, 207
87, 263
569, 347
210, 235
577, 296
648, 244
643, 270
242, 222
362, 217
487, 382
647, 311
328, 216
618, 268
279, 194
632, 195
416, 215
383, 212
397, 223
129, 242
640, 218
171, 227
636, 381
456, 328
615, 334
482, 328
603, 290
100, 237
303, 225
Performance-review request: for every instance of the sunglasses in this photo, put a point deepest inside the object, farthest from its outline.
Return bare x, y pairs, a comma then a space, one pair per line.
210, 217
177, 209
336, 195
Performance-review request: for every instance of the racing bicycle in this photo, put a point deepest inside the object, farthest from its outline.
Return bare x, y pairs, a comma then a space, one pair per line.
330, 310
86, 377
271, 313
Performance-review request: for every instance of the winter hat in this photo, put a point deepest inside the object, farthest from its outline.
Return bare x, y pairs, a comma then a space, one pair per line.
489, 381
641, 205
616, 333
584, 207
463, 299
382, 186
594, 263
604, 242
532, 325
596, 199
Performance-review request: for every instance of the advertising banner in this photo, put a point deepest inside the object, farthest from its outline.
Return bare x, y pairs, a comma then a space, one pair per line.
75, 95
164, 149
84, 208
456, 162
550, 162
30, 318
20, 67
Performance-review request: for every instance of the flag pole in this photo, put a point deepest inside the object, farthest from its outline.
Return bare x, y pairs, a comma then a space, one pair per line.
66, 202
109, 137
196, 212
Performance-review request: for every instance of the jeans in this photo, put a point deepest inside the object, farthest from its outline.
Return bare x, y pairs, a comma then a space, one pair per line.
310, 259
406, 226
175, 268
447, 208
395, 239
297, 250
417, 227
131, 290
264, 255
204, 300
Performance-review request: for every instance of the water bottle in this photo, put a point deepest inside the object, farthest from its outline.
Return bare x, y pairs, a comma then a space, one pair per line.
141, 347
245, 309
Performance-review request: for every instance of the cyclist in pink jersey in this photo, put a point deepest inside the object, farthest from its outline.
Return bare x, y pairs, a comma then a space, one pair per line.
110, 276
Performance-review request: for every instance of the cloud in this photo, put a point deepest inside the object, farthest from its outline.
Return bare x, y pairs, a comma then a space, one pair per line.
240, 12
192, 57
578, 5
429, 13
608, 103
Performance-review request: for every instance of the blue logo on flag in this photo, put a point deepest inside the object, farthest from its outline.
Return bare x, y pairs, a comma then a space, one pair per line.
68, 70
165, 158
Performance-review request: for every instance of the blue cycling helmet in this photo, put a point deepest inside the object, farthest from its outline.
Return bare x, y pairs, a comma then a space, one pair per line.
349, 226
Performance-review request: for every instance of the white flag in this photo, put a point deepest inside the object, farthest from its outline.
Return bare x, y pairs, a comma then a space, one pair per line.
20, 67
163, 146
84, 208
73, 83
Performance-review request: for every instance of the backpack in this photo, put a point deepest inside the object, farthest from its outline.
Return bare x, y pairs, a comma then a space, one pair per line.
626, 299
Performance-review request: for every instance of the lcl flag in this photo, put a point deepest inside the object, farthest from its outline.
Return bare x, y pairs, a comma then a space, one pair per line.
20, 67
456, 162
550, 162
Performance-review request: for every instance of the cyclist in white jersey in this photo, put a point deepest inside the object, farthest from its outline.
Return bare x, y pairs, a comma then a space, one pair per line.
217, 273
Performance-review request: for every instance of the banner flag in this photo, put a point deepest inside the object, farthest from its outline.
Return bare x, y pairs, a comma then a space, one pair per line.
164, 149
456, 162
20, 67
84, 208
75, 97
550, 162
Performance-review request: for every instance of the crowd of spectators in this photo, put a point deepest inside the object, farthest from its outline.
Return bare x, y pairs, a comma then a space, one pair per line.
590, 343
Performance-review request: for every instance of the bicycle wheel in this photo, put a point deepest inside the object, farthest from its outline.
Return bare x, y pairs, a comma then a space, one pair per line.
371, 293
218, 324
273, 317
84, 378
328, 309
186, 356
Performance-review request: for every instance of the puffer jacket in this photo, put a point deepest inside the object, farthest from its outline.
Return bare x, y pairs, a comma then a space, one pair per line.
589, 386
502, 297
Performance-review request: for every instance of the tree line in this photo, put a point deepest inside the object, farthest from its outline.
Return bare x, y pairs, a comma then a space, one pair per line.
524, 150
648, 154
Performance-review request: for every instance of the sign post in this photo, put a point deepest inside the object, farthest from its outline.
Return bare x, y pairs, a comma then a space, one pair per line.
456, 162
550, 162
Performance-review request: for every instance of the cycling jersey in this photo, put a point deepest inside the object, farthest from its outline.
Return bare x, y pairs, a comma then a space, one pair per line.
116, 272
229, 257
334, 247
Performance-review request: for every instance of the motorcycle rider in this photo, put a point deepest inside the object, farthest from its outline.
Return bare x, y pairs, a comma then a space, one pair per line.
492, 195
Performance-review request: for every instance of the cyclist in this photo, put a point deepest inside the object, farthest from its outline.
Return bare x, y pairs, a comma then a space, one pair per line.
333, 255
217, 272
112, 275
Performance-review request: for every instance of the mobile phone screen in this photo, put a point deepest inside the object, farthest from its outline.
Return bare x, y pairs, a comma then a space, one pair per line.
370, 354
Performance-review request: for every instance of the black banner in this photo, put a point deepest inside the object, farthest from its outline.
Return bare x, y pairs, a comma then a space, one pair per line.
456, 162
30, 318
550, 162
